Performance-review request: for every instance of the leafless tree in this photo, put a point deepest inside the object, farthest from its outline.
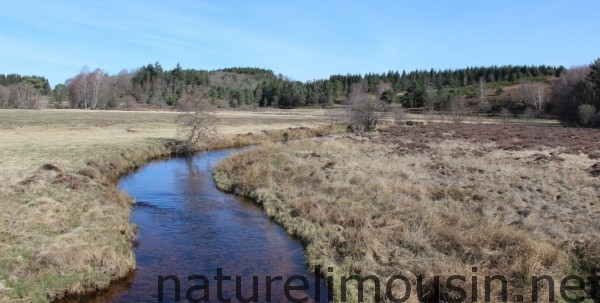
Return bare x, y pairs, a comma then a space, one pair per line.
504, 114
80, 89
197, 123
335, 115
481, 90
458, 109
23, 96
569, 79
399, 115
365, 112
528, 113
85, 89
122, 83
381, 88
4, 96
96, 81
534, 95
358, 91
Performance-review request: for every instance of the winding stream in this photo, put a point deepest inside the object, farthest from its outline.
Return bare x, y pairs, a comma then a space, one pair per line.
190, 228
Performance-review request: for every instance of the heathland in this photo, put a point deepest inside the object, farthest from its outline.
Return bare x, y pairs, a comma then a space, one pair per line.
438, 199
64, 227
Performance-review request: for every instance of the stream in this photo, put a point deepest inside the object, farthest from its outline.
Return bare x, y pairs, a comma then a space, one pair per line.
194, 233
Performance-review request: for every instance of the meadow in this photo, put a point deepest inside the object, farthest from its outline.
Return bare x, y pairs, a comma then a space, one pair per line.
64, 227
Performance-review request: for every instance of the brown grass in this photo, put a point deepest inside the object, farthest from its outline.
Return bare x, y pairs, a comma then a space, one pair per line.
64, 227
439, 207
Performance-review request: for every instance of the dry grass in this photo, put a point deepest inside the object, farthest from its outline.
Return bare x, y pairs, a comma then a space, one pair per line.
369, 207
64, 228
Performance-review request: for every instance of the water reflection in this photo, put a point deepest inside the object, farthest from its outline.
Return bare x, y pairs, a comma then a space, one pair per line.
188, 227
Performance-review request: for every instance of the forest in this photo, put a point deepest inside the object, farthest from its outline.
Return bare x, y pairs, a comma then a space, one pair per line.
571, 95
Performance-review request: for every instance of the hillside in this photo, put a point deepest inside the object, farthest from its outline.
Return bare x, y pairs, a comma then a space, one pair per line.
152, 86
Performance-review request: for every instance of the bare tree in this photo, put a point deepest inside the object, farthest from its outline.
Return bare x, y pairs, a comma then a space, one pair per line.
4, 96
534, 95
357, 91
458, 109
366, 113
399, 115
504, 114
528, 113
85, 89
80, 89
381, 88
481, 90
122, 83
22, 96
335, 115
96, 81
197, 123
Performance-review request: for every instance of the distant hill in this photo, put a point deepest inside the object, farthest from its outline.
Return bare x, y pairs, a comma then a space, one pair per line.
153, 86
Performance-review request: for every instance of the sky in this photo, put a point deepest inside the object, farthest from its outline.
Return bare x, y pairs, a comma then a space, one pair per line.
303, 40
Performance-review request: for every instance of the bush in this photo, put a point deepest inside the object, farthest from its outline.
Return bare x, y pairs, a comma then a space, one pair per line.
366, 113
587, 114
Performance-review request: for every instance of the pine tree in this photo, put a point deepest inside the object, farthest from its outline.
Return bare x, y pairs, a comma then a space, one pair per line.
594, 75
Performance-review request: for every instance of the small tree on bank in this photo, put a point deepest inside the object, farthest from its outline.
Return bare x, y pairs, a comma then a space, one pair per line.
197, 123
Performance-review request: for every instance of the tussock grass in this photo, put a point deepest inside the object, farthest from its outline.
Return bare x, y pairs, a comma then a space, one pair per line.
64, 227
365, 208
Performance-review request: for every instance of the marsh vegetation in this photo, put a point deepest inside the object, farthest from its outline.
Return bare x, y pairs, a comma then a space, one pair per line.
435, 200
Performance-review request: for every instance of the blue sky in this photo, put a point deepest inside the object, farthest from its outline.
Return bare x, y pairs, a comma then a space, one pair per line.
303, 40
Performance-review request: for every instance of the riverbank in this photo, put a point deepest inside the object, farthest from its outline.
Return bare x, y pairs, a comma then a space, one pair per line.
438, 200
65, 227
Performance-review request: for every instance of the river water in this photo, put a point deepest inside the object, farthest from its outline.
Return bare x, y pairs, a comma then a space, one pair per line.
190, 229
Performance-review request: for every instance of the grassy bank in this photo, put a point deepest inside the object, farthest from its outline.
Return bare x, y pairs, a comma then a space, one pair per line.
65, 228
435, 200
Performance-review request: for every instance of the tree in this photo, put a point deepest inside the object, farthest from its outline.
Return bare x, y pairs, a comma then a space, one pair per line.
196, 123
79, 89
534, 95
60, 94
587, 114
96, 81
388, 96
23, 95
572, 89
594, 75
458, 109
366, 113
415, 96
399, 115
4, 96
528, 113
504, 114
381, 88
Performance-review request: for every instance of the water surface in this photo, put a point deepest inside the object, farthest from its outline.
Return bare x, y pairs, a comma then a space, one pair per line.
190, 228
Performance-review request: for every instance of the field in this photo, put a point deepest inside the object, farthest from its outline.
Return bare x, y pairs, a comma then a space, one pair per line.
471, 200
422, 200
64, 228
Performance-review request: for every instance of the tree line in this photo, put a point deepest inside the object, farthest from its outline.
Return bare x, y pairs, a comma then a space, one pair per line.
577, 95
569, 94
18, 91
